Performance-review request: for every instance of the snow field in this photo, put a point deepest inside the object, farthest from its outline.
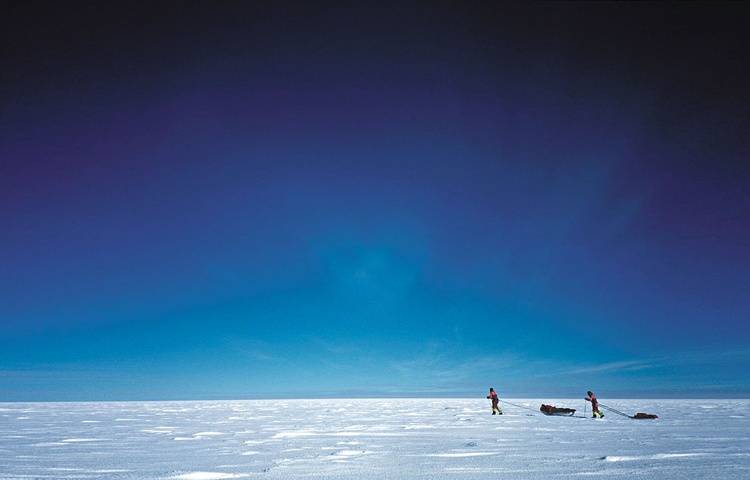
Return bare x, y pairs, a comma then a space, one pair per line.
371, 438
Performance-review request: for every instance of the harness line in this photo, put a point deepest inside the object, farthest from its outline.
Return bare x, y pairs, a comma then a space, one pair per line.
519, 406
613, 410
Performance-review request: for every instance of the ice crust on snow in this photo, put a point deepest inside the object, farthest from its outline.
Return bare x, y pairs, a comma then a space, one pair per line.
371, 439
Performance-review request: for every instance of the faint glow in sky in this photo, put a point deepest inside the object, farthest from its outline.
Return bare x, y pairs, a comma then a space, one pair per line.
244, 201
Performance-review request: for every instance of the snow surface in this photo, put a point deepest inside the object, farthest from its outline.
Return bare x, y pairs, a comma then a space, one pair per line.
372, 439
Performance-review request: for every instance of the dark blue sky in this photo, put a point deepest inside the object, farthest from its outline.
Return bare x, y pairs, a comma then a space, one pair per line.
261, 199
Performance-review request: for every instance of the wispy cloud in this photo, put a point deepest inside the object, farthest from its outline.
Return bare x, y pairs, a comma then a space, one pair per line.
621, 366
439, 364
439, 367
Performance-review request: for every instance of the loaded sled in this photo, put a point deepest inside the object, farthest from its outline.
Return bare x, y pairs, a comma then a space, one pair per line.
552, 410
645, 415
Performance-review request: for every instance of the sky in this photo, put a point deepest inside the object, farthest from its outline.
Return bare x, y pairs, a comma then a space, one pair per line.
333, 199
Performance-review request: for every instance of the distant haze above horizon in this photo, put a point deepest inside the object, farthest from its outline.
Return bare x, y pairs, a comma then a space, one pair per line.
294, 199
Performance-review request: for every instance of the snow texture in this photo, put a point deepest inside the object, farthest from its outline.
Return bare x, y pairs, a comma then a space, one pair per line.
372, 439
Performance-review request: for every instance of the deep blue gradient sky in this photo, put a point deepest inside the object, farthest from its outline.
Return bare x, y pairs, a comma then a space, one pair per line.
269, 199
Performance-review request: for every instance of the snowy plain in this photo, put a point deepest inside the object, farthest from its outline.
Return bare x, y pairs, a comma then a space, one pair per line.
372, 439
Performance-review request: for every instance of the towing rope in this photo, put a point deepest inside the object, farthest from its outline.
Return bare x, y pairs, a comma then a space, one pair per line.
519, 406
600, 404
613, 410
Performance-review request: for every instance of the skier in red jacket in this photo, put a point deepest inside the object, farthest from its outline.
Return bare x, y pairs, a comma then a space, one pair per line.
495, 406
594, 405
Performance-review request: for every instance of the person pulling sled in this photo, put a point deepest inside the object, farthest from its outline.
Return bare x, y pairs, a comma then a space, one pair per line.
495, 400
594, 405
